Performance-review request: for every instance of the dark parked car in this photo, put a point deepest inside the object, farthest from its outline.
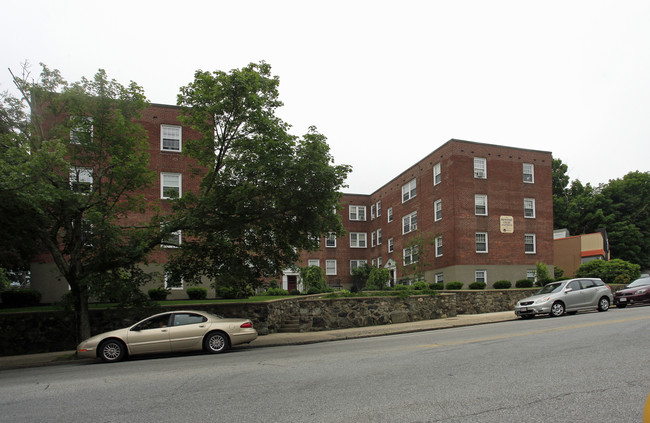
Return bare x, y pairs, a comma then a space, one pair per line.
636, 292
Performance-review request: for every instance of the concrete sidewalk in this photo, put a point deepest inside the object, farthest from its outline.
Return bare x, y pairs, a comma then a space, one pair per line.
280, 339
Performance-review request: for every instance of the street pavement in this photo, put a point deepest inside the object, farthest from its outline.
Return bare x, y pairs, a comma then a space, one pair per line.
279, 339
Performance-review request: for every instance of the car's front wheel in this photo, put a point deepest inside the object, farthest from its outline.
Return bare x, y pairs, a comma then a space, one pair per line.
112, 350
603, 304
216, 342
557, 309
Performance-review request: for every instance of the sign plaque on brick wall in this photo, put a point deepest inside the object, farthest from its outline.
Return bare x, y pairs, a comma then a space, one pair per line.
507, 225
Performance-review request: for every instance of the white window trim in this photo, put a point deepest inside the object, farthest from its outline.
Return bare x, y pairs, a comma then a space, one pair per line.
440, 277
74, 139
379, 240
329, 269
437, 173
378, 207
162, 185
359, 236
534, 243
330, 238
410, 252
482, 272
436, 209
389, 213
391, 245
438, 246
355, 216
532, 173
480, 171
373, 241
357, 263
476, 242
180, 138
476, 204
411, 226
409, 190
178, 234
532, 200
313, 262
174, 288
81, 175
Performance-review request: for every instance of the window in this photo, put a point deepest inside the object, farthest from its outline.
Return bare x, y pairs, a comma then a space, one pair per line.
529, 173
390, 214
81, 179
437, 177
529, 207
481, 276
172, 284
531, 275
378, 236
410, 255
170, 138
529, 242
373, 237
170, 185
480, 168
372, 212
330, 267
181, 319
356, 263
313, 262
410, 223
481, 242
173, 240
440, 278
408, 191
437, 207
480, 205
358, 239
378, 208
379, 261
330, 241
390, 245
358, 213
438, 246
82, 130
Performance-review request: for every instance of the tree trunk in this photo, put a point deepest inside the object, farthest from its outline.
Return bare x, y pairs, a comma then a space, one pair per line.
82, 319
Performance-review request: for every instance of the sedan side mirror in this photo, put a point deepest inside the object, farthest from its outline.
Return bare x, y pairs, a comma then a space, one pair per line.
566, 291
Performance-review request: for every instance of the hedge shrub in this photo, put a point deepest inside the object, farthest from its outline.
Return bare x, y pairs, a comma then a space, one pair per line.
158, 294
454, 285
197, 293
436, 286
20, 298
477, 285
524, 283
276, 292
502, 285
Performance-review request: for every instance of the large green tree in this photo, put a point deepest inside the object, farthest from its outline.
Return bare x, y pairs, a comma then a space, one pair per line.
73, 169
265, 194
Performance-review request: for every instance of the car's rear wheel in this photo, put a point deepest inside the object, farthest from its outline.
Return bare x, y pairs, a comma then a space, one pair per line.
216, 342
619, 305
557, 309
112, 350
603, 304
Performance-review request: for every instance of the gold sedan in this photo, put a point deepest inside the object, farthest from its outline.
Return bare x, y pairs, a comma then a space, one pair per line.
170, 332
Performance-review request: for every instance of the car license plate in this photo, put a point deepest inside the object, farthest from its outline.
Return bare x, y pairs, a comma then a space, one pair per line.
622, 299
523, 309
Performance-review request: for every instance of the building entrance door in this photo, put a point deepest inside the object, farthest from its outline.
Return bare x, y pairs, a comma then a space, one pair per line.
292, 282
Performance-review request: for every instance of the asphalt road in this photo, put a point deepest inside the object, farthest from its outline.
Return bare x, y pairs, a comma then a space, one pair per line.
591, 367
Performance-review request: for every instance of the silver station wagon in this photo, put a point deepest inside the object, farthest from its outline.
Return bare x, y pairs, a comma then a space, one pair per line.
569, 296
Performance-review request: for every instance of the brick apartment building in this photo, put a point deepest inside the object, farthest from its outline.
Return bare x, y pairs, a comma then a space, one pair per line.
486, 209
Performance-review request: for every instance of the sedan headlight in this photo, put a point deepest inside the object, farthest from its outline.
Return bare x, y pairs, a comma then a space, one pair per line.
641, 291
542, 300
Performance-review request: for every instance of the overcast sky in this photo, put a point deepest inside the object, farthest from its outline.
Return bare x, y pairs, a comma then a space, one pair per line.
386, 82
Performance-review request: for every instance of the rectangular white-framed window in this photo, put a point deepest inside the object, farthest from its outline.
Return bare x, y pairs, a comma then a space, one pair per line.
529, 173
313, 262
373, 262
373, 238
81, 130
530, 246
481, 242
437, 208
330, 241
410, 255
531, 275
81, 179
480, 276
440, 278
409, 223
378, 208
356, 263
409, 190
437, 176
379, 236
529, 208
170, 185
379, 261
391, 245
358, 213
173, 240
330, 267
174, 285
372, 212
389, 212
171, 138
438, 246
480, 205
480, 168
358, 240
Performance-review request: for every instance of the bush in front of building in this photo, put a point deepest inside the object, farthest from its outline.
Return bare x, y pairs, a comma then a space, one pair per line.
197, 293
524, 283
477, 285
294, 292
158, 294
613, 271
20, 298
503, 284
437, 286
276, 292
454, 285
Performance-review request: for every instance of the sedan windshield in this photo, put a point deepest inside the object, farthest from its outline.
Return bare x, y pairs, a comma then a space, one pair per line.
551, 287
639, 282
